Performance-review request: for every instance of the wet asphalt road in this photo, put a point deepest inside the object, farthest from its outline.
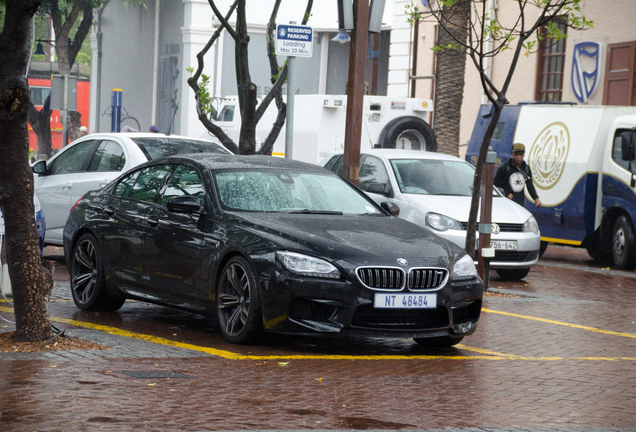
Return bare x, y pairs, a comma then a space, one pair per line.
560, 356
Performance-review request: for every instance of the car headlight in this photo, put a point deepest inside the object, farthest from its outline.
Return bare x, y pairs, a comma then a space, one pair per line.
442, 223
531, 225
306, 265
464, 268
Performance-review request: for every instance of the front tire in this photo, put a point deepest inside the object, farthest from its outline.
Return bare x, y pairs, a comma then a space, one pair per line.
88, 286
624, 244
513, 274
238, 303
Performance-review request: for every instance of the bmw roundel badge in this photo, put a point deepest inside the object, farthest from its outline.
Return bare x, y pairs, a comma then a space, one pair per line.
402, 261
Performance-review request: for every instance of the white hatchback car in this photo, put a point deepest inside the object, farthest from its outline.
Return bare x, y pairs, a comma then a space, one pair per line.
434, 190
91, 162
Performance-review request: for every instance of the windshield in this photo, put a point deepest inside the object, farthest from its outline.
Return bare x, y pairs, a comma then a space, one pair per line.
434, 177
289, 191
154, 148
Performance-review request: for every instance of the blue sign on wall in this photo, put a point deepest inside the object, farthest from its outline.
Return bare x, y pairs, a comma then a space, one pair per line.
586, 69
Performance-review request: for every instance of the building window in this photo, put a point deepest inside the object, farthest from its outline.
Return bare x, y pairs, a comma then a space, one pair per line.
551, 67
39, 95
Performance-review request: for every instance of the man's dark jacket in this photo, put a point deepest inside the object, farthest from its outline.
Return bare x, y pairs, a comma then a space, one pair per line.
502, 181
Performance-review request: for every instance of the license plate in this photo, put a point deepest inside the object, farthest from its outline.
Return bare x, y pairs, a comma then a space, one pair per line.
504, 244
405, 301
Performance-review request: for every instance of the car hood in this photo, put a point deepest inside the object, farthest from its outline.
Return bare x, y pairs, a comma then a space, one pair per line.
458, 207
367, 240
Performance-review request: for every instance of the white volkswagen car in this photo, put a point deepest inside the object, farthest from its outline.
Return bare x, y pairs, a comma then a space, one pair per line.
92, 161
434, 190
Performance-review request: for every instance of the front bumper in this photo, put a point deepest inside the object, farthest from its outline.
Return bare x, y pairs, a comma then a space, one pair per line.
312, 306
526, 255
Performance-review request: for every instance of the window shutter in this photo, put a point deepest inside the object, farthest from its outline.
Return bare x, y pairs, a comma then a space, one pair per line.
619, 74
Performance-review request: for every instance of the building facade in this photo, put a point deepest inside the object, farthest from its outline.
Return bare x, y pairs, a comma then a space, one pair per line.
593, 66
145, 52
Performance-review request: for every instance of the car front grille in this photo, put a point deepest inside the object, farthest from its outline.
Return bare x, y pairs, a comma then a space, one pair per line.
504, 227
367, 316
511, 256
426, 278
390, 278
381, 277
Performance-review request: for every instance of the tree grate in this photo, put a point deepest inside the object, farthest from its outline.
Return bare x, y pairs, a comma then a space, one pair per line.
153, 374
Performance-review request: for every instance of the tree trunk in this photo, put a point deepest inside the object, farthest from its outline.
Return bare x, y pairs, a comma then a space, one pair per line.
40, 121
31, 282
449, 78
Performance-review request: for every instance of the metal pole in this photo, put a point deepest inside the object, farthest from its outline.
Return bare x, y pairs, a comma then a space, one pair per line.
289, 116
65, 117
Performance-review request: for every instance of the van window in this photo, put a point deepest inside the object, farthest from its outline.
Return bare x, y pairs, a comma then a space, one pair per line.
227, 114
617, 151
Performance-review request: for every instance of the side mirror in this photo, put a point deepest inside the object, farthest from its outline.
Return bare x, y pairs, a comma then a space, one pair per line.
377, 188
184, 204
391, 208
627, 143
39, 167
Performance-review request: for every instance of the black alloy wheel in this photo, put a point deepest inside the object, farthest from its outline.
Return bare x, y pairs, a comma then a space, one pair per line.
624, 244
238, 303
87, 278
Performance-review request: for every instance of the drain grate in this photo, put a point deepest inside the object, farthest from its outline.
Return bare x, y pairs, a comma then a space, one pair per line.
153, 374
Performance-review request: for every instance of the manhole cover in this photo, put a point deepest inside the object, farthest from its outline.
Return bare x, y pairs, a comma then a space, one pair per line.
153, 374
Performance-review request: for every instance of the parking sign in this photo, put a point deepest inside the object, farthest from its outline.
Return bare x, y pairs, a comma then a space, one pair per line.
294, 40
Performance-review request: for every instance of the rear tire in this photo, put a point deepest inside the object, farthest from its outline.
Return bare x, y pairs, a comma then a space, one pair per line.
624, 244
513, 274
411, 133
88, 286
443, 341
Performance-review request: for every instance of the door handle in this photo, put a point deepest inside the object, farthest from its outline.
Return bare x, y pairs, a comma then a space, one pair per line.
109, 211
67, 186
152, 221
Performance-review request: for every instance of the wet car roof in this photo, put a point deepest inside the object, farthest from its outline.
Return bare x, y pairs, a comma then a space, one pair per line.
215, 161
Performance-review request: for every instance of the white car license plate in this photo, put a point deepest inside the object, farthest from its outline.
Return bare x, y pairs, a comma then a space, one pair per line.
405, 301
504, 244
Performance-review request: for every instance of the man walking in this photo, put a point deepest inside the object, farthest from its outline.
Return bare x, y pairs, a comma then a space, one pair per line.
514, 174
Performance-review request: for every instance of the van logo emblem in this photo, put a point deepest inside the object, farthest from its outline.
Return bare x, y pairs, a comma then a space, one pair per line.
402, 262
495, 228
548, 154
586, 63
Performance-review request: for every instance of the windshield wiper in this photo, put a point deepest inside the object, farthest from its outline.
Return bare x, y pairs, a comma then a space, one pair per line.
325, 212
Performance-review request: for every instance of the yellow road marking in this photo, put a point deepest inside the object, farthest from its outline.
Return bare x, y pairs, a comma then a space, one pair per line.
592, 329
488, 354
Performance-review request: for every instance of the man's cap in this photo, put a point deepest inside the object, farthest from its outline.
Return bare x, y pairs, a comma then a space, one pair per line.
518, 147
153, 128
83, 129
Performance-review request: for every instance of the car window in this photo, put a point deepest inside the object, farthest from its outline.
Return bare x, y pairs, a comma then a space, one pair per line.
71, 159
433, 177
109, 156
336, 165
329, 165
154, 148
150, 179
184, 181
289, 191
126, 184
617, 151
372, 171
